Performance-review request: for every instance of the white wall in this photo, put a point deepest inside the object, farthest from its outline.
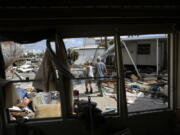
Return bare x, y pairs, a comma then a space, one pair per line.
88, 55
140, 59
89, 42
132, 47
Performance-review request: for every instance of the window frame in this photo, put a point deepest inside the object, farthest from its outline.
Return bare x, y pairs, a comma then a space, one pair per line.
123, 113
143, 46
5, 112
171, 57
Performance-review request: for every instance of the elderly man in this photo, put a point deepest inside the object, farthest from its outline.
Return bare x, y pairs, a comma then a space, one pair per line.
100, 71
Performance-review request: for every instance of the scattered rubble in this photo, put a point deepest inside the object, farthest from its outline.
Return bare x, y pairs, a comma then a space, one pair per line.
148, 92
31, 104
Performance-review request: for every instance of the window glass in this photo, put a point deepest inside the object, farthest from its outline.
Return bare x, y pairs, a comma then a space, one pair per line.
145, 59
33, 92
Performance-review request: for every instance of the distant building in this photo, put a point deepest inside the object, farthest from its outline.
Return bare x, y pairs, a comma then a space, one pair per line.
89, 42
88, 53
98, 40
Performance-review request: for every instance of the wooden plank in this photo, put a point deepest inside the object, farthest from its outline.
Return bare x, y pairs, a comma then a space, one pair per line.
66, 81
3, 120
121, 92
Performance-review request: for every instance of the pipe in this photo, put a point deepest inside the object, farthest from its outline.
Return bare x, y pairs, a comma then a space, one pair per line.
157, 57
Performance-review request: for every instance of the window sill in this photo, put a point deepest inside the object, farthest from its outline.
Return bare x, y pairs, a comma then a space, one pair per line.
137, 113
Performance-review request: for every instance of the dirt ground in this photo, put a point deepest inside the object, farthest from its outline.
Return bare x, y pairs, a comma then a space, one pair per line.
108, 101
136, 102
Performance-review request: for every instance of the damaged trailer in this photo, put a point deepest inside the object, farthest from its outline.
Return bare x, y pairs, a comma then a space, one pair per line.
144, 51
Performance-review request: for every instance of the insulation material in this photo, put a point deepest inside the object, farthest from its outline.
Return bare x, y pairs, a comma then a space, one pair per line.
45, 78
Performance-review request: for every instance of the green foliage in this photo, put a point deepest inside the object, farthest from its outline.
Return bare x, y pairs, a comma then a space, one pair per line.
111, 42
102, 44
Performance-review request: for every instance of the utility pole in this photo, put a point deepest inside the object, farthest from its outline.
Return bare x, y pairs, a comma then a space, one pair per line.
105, 41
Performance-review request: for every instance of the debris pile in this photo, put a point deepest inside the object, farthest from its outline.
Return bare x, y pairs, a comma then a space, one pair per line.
24, 67
151, 92
148, 92
34, 104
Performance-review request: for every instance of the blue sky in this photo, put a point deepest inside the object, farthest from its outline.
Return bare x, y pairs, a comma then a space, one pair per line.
41, 45
71, 42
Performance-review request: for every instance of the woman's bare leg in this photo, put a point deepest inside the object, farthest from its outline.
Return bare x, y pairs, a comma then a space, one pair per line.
86, 86
91, 90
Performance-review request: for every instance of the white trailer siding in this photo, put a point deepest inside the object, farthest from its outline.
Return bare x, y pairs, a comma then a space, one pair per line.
139, 59
147, 59
132, 47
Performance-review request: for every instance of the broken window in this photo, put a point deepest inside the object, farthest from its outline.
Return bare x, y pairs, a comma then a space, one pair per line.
95, 73
32, 92
146, 77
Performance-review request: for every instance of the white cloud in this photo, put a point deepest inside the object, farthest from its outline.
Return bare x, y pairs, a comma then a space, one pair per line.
41, 45
73, 42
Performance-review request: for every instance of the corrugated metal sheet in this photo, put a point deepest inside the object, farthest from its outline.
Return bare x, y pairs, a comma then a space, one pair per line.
88, 55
